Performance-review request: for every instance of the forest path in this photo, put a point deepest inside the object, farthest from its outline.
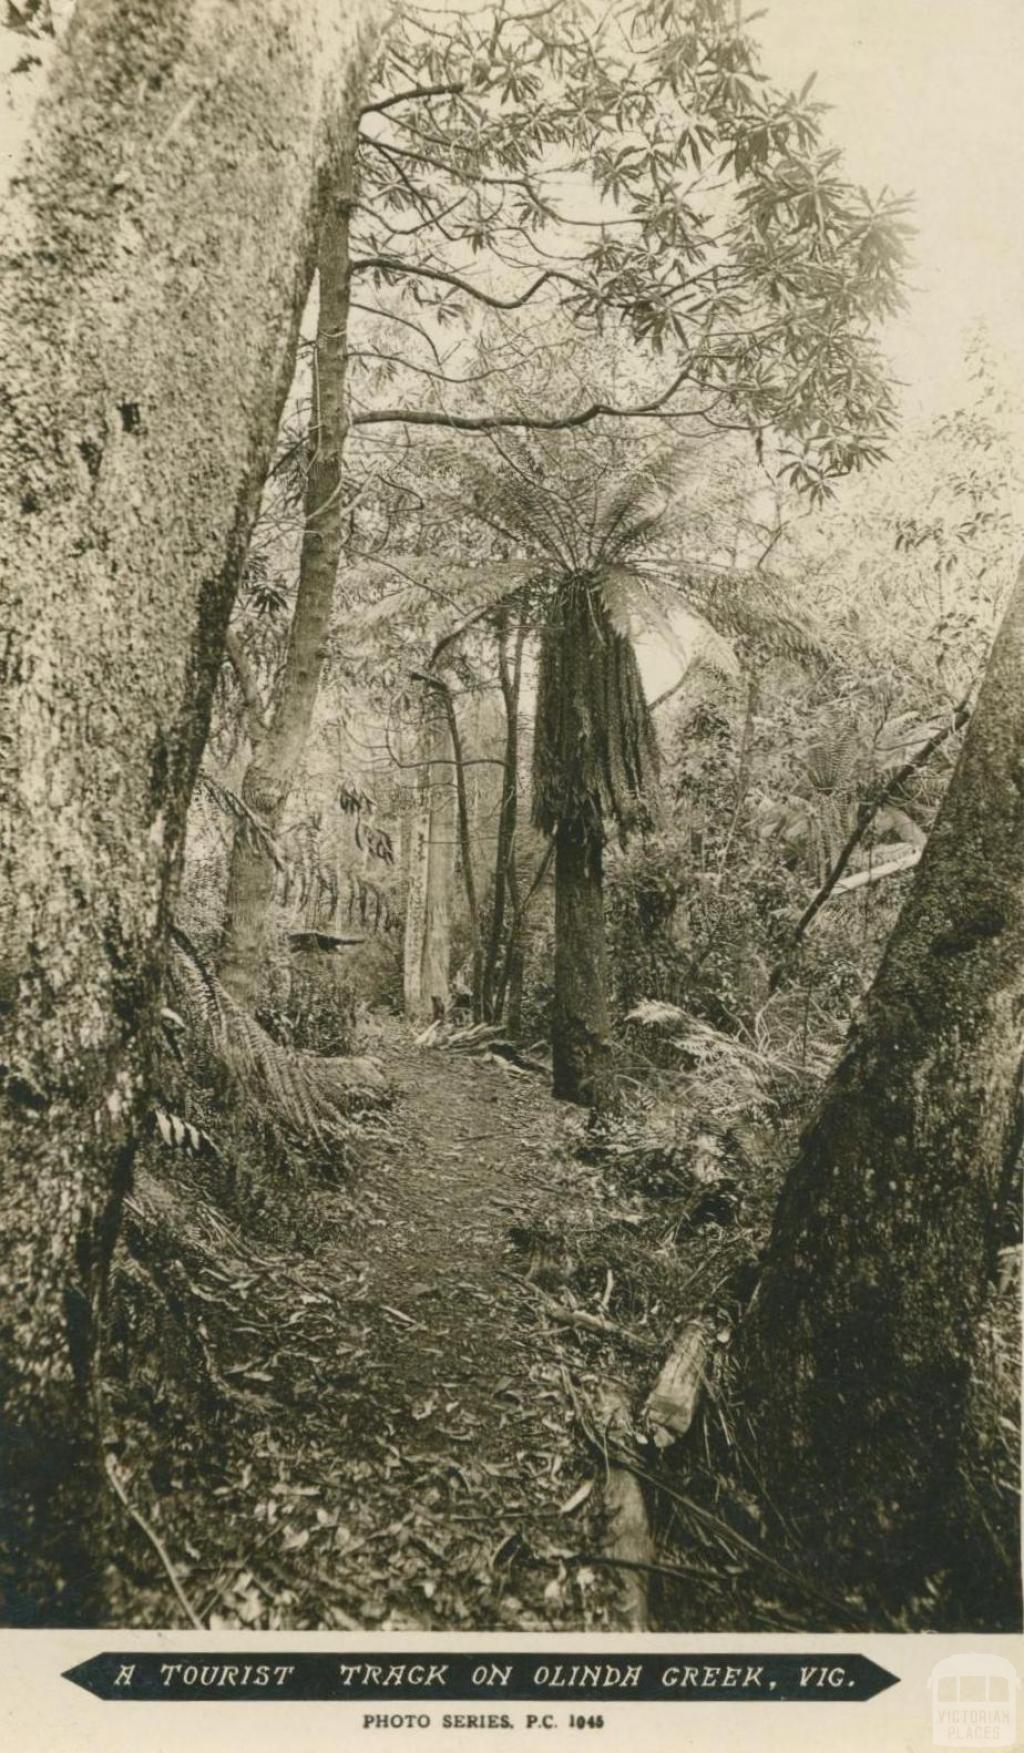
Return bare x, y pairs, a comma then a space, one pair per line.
401, 1372
458, 1449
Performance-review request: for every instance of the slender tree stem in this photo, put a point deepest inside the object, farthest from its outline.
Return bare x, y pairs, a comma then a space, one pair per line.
869, 809
465, 835
504, 863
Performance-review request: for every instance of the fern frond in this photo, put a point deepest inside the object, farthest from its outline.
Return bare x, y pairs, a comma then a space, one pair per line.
445, 596
755, 609
519, 506
595, 752
632, 508
298, 1093
181, 1135
832, 762
704, 647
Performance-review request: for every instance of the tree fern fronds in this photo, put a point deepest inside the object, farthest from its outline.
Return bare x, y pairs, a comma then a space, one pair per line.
181, 1135
299, 1093
445, 597
753, 608
637, 502
595, 753
832, 761
200, 992
520, 507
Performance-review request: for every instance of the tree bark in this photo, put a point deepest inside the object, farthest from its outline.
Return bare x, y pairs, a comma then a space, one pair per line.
505, 881
579, 1033
860, 1342
156, 255
444, 694
275, 758
510, 981
466, 855
427, 954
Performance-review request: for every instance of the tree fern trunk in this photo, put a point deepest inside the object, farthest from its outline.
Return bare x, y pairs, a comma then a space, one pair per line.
156, 255
274, 763
860, 1343
579, 1032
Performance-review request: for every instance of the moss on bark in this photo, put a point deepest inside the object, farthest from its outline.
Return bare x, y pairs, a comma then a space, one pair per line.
155, 259
860, 1343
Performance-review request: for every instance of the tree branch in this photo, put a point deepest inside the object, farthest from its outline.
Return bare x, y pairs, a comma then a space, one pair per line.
521, 422
870, 808
878, 872
393, 265
660, 699
416, 91
256, 722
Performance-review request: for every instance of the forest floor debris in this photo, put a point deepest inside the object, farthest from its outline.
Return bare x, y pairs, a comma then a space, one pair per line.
399, 1381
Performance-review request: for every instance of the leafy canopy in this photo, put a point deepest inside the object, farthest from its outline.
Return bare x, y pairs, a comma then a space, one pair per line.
634, 168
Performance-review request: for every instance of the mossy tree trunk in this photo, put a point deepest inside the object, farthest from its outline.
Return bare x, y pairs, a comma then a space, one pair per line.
595, 763
156, 255
860, 1342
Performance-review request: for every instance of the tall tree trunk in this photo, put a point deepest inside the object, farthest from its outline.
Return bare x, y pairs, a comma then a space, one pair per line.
466, 855
579, 1032
510, 677
510, 980
275, 758
861, 1337
444, 694
431, 876
437, 934
156, 256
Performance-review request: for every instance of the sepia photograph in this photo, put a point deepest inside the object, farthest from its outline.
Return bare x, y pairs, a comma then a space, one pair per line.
512, 840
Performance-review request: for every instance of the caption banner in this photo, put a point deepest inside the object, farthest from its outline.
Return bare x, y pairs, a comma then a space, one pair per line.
517, 1679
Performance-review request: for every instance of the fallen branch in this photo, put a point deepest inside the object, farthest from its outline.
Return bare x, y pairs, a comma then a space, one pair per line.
684, 1572
894, 867
155, 1541
522, 1061
671, 1405
597, 1324
630, 1544
567, 1317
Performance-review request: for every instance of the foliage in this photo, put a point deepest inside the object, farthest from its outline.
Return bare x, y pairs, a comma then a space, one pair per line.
300, 1097
709, 224
595, 757
574, 230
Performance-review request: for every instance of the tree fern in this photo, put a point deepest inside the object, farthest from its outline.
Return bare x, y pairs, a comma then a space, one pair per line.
595, 753
299, 1094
